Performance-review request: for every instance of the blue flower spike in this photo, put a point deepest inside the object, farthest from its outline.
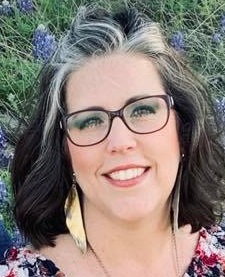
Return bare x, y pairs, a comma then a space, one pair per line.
3, 192
222, 24
44, 43
220, 108
177, 41
6, 9
217, 38
25, 6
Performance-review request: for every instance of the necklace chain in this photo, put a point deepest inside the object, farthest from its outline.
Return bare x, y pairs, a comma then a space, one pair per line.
177, 258
107, 274
98, 260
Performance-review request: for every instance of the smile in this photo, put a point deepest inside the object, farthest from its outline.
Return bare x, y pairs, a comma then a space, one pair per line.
127, 174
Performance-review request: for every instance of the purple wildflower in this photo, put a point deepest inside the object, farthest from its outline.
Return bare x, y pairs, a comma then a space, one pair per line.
6, 9
220, 107
222, 24
222, 21
177, 41
217, 37
17, 238
44, 43
3, 192
4, 161
25, 6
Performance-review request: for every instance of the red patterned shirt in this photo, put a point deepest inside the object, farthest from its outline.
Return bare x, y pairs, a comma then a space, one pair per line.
208, 259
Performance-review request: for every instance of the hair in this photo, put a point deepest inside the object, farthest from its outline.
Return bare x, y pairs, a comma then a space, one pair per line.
42, 173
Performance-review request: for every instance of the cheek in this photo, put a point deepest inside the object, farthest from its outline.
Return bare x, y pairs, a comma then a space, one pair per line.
170, 157
171, 139
84, 160
164, 149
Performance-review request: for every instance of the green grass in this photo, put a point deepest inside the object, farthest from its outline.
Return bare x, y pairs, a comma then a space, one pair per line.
6, 207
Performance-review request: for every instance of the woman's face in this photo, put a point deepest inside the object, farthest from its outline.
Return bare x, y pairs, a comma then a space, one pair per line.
106, 171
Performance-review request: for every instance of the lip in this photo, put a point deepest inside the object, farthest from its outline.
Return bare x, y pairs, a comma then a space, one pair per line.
124, 167
127, 183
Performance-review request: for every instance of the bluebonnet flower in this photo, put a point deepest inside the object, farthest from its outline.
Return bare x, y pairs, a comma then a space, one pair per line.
25, 6
3, 192
220, 107
5, 240
222, 24
6, 9
17, 238
217, 37
44, 43
5, 159
177, 41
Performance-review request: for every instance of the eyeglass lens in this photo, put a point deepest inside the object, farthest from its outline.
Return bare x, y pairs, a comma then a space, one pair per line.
142, 116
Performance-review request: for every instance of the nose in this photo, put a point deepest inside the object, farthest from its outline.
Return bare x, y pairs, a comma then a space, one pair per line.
120, 138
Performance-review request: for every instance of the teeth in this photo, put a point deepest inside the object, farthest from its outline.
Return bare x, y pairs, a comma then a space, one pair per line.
126, 174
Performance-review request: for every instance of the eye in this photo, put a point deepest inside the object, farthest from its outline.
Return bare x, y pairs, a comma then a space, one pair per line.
143, 110
88, 123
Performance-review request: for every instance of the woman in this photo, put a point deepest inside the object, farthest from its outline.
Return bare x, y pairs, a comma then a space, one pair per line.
121, 172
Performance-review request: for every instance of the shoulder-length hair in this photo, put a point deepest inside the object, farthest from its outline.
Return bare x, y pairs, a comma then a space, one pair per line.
42, 173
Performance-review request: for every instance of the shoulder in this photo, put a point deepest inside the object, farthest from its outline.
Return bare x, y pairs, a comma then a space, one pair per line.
23, 262
209, 257
214, 237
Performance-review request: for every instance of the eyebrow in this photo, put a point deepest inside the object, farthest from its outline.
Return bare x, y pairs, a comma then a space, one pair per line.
128, 101
132, 99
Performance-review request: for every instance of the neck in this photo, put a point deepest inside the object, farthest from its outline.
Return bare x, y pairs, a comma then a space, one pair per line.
132, 239
132, 248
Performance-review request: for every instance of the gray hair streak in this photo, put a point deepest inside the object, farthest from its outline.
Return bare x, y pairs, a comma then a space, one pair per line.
88, 38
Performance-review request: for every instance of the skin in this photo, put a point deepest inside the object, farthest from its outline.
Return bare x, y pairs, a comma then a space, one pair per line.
120, 77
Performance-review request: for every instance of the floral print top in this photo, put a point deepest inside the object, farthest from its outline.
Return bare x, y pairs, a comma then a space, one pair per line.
208, 260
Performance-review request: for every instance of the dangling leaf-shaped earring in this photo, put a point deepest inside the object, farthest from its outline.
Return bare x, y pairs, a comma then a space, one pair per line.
176, 196
74, 219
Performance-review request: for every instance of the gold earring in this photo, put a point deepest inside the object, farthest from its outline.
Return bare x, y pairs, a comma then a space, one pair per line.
176, 199
74, 219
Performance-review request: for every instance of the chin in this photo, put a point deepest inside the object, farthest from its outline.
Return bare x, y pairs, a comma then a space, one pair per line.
139, 210
132, 214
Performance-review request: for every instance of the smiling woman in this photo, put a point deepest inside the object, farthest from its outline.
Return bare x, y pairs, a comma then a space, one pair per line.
122, 163
134, 144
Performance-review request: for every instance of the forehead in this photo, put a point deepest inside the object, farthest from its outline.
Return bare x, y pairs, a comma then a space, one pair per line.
109, 81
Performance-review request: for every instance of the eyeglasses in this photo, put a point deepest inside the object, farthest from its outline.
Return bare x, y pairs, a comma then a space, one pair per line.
142, 116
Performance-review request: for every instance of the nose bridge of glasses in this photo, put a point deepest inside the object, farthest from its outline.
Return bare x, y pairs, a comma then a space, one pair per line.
119, 132
118, 113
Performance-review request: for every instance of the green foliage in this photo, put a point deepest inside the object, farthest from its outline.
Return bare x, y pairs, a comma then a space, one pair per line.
17, 80
6, 206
